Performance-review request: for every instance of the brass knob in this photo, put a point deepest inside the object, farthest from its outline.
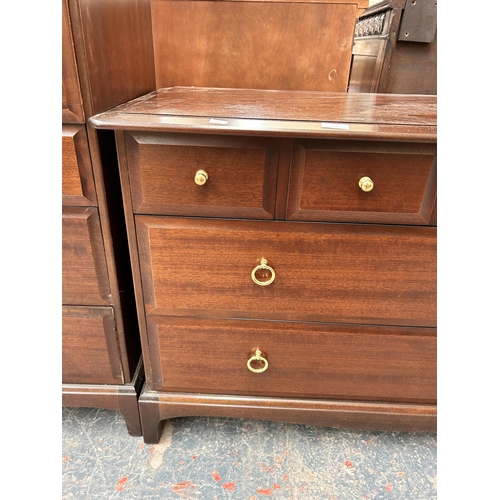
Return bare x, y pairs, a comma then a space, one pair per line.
201, 177
263, 267
366, 184
257, 357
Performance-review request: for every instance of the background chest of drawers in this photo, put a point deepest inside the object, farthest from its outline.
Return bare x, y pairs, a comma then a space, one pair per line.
283, 248
100, 339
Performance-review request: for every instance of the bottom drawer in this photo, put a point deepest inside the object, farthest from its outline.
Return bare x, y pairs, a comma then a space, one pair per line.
303, 360
89, 346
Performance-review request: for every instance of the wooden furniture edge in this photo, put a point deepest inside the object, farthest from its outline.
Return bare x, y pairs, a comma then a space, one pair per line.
122, 398
156, 407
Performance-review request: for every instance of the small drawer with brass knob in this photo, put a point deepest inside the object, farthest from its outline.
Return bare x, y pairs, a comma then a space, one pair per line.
362, 182
202, 175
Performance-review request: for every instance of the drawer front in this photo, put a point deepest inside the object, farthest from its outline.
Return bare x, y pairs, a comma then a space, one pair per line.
89, 347
241, 172
84, 272
323, 272
325, 182
77, 179
304, 360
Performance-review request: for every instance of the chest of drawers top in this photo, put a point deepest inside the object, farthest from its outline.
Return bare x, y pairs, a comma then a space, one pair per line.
278, 113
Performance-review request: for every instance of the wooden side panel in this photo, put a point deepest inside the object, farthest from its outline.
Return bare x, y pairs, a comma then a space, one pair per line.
84, 272
241, 173
72, 104
114, 49
304, 360
260, 45
324, 272
325, 175
77, 179
89, 346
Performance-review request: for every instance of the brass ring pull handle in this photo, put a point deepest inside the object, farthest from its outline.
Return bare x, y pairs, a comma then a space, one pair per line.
257, 357
201, 177
366, 184
263, 267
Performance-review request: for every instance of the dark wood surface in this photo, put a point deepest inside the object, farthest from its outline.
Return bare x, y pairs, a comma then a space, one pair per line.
285, 113
115, 51
403, 58
72, 103
324, 182
104, 39
241, 174
117, 397
77, 178
305, 360
90, 353
260, 45
155, 407
84, 273
360, 274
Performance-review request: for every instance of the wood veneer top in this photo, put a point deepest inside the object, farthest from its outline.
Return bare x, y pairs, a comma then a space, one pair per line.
277, 112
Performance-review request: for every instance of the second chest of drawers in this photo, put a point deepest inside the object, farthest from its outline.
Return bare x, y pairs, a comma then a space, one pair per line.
284, 255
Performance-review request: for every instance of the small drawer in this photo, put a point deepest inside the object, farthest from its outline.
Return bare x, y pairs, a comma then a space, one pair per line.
295, 360
360, 181
322, 272
214, 176
90, 352
77, 178
84, 272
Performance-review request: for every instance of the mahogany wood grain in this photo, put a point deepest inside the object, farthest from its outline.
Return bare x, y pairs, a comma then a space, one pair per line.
277, 113
305, 360
259, 45
241, 174
72, 103
324, 183
84, 272
90, 353
155, 407
324, 272
77, 178
117, 397
114, 49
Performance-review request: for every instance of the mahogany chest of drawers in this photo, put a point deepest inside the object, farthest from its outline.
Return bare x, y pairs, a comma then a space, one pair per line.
283, 247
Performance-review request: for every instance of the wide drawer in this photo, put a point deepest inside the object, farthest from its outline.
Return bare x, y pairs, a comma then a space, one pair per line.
89, 347
303, 360
398, 187
238, 177
84, 272
323, 272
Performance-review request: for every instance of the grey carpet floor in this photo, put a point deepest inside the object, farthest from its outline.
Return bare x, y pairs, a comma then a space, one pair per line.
218, 458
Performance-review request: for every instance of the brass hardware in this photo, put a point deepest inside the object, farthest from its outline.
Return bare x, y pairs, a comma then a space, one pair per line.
201, 177
257, 357
366, 184
263, 267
